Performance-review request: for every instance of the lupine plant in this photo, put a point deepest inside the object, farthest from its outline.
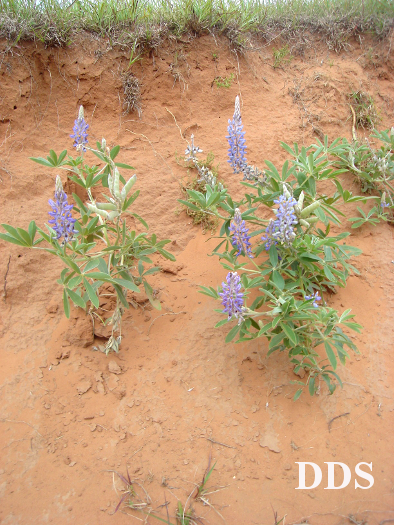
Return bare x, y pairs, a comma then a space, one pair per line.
375, 171
101, 255
282, 270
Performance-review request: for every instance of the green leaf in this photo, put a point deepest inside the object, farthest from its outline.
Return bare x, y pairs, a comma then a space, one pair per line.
273, 255
189, 205
276, 340
25, 236
42, 161
91, 293
114, 152
221, 323
278, 280
66, 304
153, 270
149, 292
166, 254
232, 333
9, 238
121, 295
32, 230
13, 232
331, 387
76, 299
124, 166
297, 394
141, 220
330, 355
289, 332
265, 328
126, 284
100, 276
312, 386
92, 264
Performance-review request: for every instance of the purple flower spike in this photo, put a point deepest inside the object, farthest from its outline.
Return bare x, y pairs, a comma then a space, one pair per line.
236, 140
232, 297
241, 239
316, 297
285, 219
268, 237
80, 131
62, 221
282, 228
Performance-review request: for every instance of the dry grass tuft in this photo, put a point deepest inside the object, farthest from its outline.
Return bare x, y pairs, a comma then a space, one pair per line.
131, 93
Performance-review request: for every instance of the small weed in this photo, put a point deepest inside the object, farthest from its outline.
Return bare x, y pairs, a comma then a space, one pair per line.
201, 489
206, 172
215, 57
224, 82
183, 516
364, 108
281, 57
208, 222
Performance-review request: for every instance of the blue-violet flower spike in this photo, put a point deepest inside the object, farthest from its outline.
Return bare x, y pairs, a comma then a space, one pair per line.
316, 297
80, 131
285, 220
62, 221
235, 137
232, 297
241, 239
268, 237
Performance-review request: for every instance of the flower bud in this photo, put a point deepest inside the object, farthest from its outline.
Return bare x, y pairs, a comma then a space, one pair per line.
309, 209
81, 114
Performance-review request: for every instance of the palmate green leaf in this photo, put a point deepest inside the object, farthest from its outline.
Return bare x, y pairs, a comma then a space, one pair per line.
41, 160
25, 236
14, 234
9, 238
211, 292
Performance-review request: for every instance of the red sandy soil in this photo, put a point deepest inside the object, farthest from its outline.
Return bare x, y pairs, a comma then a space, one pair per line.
177, 394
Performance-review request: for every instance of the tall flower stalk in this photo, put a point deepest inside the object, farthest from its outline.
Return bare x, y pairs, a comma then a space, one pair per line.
241, 239
232, 297
80, 130
237, 143
62, 221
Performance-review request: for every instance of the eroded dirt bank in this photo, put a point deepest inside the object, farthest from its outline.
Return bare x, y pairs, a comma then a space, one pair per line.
176, 393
